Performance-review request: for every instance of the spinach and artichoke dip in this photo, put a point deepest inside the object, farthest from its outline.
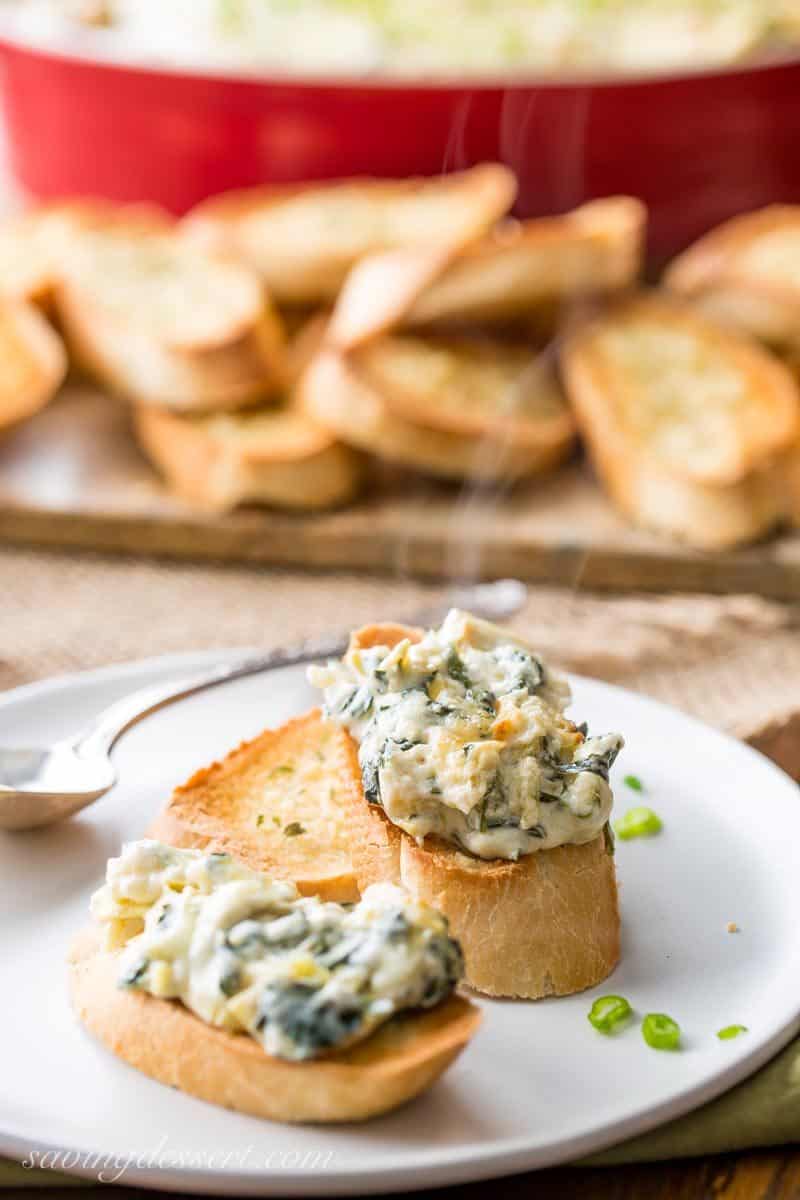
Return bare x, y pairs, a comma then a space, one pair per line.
462, 735
250, 955
417, 39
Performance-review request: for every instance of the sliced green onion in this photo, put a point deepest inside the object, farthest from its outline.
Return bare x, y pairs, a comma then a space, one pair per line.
609, 1011
293, 829
730, 1031
638, 822
661, 1032
634, 783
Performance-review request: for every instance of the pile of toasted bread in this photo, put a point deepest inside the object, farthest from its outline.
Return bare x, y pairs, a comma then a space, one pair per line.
273, 340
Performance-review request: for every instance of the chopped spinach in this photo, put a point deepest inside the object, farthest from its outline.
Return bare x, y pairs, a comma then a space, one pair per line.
308, 1021
492, 811
608, 838
595, 764
526, 671
456, 670
446, 965
370, 781
392, 744
483, 699
135, 973
294, 829
230, 981
357, 703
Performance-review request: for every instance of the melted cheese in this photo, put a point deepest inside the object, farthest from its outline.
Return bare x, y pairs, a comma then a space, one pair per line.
463, 736
249, 955
415, 38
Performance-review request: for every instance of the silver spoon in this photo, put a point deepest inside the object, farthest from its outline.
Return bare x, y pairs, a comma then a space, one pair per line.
45, 784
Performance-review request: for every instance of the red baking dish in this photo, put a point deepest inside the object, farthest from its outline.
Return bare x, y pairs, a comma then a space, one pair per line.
696, 148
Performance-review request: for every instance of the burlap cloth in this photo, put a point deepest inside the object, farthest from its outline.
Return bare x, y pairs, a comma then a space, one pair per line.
735, 660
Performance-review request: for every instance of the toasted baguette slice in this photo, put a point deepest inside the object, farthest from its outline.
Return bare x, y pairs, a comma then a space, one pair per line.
478, 387
380, 290
546, 925
300, 774
454, 409
33, 362
683, 420
169, 1043
304, 240
596, 248
305, 337
164, 324
789, 472
513, 272
35, 245
762, 247
787, 469
274, 456
746, 273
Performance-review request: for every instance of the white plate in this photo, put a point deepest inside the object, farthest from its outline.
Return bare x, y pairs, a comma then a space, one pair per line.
538, 1085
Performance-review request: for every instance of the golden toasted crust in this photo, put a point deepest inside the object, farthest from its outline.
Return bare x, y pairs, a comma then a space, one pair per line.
164, 326
305, 337
746, 273
32, 362
381, 289
788, 472
475, 387
564, 899
547, 925
725, 252
35, 244
304, 239
754, 310
691, 455
272, 456
301, 774
687, 454
517, 270
619, 372
170, 1044
342, 398
522, 265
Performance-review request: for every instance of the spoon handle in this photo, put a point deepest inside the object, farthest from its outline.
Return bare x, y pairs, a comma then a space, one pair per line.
109, 726
495, 600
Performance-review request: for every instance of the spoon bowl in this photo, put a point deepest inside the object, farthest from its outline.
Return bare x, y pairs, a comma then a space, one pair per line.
39, 785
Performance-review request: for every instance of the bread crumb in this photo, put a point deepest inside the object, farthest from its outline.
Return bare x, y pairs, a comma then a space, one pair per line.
732, 927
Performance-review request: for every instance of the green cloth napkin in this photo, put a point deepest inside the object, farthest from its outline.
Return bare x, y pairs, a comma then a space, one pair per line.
762, 1111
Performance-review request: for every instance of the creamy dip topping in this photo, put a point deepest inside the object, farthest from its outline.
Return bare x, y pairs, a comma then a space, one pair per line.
248, 954
418, 38
462, 735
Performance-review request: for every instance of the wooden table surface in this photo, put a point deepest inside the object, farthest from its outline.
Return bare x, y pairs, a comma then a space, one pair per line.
73, 478
765, 1175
